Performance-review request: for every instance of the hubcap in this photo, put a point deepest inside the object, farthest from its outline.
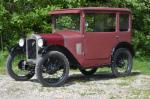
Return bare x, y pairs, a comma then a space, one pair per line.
22, 65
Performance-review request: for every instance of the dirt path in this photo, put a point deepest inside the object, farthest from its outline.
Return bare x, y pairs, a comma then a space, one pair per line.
99, 86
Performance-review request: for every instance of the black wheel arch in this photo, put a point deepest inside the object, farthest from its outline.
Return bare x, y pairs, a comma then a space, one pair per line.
17, 48
73, 62
126, 45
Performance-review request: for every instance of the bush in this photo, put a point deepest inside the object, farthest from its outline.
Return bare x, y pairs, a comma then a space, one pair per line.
19, 18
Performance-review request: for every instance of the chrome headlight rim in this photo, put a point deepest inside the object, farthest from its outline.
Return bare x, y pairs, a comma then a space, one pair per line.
40, 42
21, 42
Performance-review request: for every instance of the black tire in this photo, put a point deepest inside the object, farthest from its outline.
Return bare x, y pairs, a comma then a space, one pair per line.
12, 73
122, 59
88, 71
54, 56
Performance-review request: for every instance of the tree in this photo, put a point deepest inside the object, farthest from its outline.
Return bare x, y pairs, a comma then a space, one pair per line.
20, 18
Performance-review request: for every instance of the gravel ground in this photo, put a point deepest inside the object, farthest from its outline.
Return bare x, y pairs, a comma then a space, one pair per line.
98, 86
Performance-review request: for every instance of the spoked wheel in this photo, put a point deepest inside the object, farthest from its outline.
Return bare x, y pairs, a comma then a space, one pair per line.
53, 69
88, 71
122, 62
18, 68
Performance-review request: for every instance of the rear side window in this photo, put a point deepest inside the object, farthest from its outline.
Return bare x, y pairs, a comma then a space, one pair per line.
124, 22
100, 22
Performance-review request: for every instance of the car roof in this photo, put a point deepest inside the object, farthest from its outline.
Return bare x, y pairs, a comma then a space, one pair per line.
78, 10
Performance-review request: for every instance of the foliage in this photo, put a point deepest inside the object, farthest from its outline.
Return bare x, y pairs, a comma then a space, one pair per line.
19, 18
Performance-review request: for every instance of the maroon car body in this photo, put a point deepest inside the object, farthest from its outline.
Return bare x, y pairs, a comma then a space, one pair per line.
95, 48
81, 38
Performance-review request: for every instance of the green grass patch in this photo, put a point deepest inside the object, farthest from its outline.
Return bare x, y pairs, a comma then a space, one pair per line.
3, 58
140, 65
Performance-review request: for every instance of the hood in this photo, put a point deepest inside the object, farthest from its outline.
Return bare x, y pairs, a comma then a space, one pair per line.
56, 39
70, 34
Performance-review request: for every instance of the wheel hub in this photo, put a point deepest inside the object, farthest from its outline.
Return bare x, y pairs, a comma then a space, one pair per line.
23, 65
121, 63
52, 68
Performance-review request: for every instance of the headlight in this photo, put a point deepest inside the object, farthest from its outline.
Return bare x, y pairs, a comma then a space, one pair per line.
21, 42
40, 42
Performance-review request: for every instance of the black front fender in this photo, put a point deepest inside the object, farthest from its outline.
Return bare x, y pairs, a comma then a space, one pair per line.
44, 50
17, 49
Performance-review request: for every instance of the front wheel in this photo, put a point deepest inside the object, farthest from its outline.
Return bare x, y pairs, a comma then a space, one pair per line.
15, 64
52, 69
121, 62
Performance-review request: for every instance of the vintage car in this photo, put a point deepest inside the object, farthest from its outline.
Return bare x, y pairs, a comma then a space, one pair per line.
81, 38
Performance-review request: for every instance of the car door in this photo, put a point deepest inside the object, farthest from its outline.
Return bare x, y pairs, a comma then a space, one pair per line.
100, 35
124, 27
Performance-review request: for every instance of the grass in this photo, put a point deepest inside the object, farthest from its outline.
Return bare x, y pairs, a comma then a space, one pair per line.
141, 65
3, 58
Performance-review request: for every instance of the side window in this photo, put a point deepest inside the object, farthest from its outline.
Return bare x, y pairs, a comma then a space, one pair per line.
124, 22
67, 21
100, 22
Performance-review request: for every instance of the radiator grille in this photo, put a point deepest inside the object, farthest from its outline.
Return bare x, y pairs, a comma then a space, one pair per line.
31, 48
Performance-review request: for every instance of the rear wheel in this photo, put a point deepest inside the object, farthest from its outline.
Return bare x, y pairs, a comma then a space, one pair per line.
88, 71
17, 67
52, 69
122, 62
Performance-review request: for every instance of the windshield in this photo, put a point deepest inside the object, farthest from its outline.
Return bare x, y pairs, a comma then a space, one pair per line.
67, 22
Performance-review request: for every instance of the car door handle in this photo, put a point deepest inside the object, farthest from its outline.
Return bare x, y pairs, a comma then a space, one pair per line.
117, 37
